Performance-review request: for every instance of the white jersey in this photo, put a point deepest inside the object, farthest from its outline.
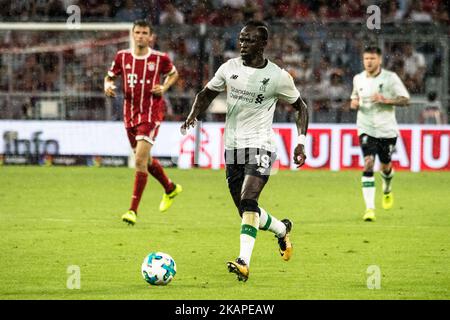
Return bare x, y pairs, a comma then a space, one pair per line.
252, 95
377, 119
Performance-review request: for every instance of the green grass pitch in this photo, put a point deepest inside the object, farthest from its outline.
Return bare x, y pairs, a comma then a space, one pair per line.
53, 217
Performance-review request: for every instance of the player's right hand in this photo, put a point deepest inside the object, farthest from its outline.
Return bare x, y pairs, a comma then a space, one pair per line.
109, 89
299, 155
189, 123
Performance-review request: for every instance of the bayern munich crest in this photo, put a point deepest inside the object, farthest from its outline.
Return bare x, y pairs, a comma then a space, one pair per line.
151, 66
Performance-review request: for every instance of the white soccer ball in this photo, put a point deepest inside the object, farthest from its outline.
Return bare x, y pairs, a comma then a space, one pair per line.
158, 268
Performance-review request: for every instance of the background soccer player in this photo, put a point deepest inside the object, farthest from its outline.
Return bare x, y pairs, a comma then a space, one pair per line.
375, 94
143, 108
253, 84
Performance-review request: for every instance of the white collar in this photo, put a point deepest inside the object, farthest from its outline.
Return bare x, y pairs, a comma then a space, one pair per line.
367, 76
142, 57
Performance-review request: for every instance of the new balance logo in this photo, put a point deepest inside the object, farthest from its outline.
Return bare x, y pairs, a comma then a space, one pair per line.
265, 81
234, 76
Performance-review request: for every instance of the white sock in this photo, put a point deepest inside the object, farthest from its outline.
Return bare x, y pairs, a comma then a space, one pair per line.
387, 179
249, 229
368, 190
269, 222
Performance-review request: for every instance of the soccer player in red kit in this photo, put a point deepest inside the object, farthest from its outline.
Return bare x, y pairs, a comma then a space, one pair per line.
141, 68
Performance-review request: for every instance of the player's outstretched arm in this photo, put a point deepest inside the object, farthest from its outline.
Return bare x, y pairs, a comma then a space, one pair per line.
397, 101
109, 86
301, 120
202, 101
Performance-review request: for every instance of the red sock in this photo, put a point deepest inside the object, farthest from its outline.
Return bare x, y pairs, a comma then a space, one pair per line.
140, 180
157, 171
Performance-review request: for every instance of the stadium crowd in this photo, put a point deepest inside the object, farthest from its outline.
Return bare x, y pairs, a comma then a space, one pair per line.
325, 76
220, 12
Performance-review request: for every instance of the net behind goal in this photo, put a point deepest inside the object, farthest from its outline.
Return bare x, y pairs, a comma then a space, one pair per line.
48, 71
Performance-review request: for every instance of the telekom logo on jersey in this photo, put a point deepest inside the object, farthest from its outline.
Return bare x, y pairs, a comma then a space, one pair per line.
132, 79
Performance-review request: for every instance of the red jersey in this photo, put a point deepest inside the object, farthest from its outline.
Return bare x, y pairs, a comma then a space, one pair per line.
139, 76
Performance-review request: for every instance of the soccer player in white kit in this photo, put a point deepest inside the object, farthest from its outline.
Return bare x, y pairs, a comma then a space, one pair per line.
253, 85
376, 93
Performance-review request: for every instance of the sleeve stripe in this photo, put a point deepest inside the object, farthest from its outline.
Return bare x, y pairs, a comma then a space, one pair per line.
172, 71
303, 102
211, 87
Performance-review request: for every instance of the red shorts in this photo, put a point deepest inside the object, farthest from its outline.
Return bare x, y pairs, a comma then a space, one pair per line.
144, 131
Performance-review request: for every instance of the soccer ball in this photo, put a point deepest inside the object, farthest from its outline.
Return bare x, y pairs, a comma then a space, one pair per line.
158, 268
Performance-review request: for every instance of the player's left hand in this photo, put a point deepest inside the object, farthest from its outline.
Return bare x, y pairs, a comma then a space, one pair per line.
378, 98
354, 104
299, 155
158, 90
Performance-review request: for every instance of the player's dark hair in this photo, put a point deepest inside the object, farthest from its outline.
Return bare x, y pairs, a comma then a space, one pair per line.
260, 26
142, 23
372, 49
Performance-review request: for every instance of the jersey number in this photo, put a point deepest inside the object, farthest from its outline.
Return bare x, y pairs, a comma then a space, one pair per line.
262, 160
